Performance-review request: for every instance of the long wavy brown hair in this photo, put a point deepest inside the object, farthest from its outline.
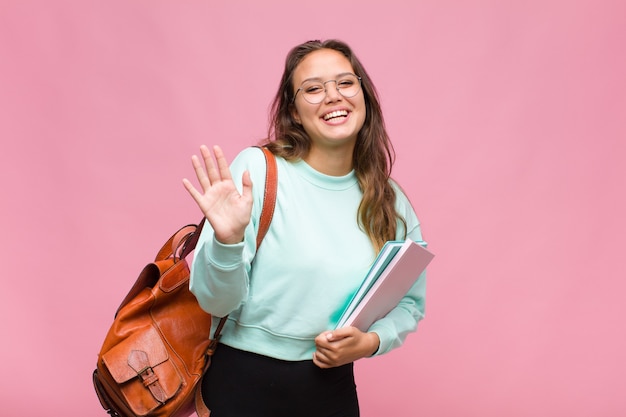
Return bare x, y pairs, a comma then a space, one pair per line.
373, 155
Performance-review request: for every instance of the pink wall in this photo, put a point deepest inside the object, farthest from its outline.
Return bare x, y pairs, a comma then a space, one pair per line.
509, 123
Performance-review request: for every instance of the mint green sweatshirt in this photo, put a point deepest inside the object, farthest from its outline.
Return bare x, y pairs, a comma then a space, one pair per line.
310, 263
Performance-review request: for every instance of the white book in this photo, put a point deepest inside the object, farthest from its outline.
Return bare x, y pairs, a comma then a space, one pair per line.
396, 268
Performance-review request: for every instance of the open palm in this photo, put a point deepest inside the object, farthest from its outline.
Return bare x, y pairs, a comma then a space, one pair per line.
225, 208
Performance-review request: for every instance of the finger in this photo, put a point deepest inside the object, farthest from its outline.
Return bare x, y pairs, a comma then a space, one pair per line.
211, 170
321, 341
195, 194
320, 360
342, 333
201, 174
325, 355
346, 331
328, 339
246, 183
222, 164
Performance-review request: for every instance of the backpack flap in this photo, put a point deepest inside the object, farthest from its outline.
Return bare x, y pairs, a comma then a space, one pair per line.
142, 368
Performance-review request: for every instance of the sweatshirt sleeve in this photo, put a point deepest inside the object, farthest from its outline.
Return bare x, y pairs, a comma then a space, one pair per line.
403, 319
220, 273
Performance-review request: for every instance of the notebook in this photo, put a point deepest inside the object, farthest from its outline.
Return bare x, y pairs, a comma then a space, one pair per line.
396, 268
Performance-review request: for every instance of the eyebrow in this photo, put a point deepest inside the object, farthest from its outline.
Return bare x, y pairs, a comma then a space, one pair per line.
320, 79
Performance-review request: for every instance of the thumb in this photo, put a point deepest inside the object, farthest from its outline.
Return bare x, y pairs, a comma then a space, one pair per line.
246, 185
337, 334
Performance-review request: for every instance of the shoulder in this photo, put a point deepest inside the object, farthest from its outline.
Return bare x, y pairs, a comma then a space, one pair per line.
402, 199
250, 159
405, 208
251, 156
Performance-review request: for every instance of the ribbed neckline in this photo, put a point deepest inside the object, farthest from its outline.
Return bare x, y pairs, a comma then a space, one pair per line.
328, 182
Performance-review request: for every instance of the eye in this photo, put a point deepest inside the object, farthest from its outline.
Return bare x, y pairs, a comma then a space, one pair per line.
347, 82
313, 88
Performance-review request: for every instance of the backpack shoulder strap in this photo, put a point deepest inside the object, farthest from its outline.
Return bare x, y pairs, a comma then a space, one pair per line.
269, 197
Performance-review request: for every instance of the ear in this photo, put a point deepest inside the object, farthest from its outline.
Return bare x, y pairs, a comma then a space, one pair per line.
295, 114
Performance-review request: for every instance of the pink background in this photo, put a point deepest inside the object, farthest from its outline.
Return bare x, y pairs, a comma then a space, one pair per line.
509, 123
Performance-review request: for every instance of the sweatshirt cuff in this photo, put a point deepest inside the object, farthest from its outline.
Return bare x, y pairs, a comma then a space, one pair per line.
224, 256
385, 335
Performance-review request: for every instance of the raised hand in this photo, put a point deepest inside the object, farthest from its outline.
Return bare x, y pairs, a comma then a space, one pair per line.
225, 208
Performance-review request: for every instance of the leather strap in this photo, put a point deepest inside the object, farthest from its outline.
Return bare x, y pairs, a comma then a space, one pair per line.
170, 248
267, 212
138, 361
201, 409
269, 197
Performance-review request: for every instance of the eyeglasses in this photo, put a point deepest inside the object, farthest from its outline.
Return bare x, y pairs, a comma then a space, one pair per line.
314, 91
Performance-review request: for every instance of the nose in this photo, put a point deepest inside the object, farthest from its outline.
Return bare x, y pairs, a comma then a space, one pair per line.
332, 93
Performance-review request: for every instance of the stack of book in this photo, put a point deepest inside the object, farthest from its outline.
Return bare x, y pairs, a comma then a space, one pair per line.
396, 268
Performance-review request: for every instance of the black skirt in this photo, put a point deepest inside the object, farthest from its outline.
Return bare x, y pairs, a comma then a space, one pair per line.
244, 384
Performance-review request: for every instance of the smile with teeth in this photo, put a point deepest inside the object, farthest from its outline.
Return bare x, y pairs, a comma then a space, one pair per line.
337, 113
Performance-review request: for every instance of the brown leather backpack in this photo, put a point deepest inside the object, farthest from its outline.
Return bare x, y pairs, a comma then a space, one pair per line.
159, 344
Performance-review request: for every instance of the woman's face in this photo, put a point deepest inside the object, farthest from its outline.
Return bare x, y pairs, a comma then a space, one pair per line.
336, 120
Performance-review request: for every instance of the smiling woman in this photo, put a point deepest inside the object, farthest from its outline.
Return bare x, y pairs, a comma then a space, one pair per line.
334, 161
330, 109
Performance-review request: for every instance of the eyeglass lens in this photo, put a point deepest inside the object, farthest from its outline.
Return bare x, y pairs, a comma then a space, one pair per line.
315, 91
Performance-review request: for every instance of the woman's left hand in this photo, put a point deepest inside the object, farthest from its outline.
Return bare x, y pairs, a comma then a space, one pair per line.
342, 346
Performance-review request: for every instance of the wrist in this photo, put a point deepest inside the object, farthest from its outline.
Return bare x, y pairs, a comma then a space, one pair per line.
229, 239
374, 343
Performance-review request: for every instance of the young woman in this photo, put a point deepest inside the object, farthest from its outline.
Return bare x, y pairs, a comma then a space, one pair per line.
336, 206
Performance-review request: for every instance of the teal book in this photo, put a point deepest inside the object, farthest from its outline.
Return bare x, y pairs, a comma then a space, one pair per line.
397, 267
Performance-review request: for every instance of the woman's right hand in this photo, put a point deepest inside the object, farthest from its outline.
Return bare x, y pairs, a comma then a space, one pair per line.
225, 208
